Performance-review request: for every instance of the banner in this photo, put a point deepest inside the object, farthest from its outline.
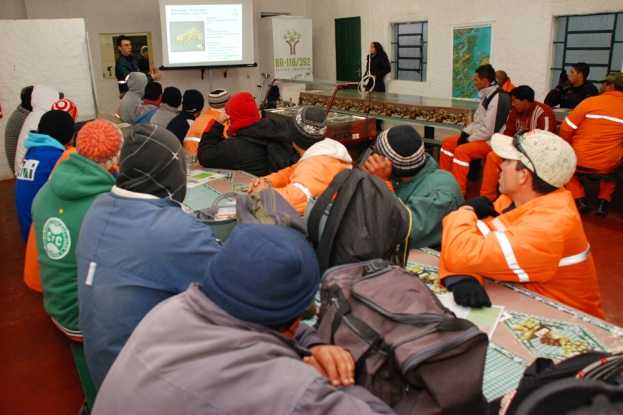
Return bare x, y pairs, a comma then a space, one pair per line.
292, 46
471, 47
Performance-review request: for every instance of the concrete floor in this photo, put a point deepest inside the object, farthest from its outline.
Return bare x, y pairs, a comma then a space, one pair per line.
38, 375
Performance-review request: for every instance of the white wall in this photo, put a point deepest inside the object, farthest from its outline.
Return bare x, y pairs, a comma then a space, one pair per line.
50, 52
118, 16
522, 35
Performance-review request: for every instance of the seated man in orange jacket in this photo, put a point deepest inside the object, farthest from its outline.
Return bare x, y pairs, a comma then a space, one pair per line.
532, 234
595, 131
321, 159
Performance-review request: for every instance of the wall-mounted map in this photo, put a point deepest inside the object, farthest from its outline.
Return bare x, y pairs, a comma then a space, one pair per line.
471, 47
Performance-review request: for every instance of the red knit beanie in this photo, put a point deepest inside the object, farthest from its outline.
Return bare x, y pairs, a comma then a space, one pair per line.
67, 106
100, 141
242, 111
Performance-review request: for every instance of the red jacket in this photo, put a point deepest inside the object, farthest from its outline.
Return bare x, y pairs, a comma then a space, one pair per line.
537, 116
540, 244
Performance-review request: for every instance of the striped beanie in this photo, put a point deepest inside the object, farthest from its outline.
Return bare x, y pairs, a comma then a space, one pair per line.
404, 147
67, 106
218, 97
100, 141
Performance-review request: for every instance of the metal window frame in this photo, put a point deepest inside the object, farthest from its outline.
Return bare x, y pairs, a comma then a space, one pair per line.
423, 60
610, 49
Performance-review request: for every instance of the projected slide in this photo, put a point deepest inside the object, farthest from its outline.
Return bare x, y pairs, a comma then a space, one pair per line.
204, 33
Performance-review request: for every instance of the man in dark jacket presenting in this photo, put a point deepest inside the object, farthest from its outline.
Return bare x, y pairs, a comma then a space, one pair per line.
247, 149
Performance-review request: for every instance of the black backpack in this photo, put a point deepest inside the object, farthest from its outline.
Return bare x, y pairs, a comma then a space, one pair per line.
361, 219
543, 380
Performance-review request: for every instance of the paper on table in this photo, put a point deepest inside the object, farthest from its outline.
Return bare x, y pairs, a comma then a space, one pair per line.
486, 318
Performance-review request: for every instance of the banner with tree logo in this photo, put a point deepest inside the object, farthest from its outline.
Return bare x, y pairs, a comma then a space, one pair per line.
292, 45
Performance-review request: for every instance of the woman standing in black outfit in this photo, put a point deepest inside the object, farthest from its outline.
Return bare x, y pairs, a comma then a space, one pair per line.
379, 67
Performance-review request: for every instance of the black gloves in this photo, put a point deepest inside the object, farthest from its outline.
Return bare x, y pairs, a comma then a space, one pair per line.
563, 77
483, 207
470, 293
462, 139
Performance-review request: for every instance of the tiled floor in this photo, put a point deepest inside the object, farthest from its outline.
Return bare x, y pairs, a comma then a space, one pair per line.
38, 374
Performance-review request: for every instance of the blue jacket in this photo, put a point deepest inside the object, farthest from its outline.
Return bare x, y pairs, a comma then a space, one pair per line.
133, 252
42, 154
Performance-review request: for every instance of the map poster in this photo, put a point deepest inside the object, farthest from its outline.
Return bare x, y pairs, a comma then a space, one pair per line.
471, 47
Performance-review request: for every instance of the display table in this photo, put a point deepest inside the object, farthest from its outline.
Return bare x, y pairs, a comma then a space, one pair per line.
513, 347
205, 185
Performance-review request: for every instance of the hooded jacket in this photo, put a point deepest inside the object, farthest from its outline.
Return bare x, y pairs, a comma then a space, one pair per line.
312, 174
236, 152
164, 115
58, 211
42, 98
12, 131
188, 356
136, 89
430, 195
43, 153
134, 251
202, 124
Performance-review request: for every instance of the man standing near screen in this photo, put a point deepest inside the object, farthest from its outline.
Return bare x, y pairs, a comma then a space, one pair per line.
127, 64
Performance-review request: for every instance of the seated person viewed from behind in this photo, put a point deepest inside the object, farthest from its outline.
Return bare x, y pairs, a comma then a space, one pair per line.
247, 149
532, 235
474, 142
504, 81
44, 147
573, 88
169, 107
428, 192
527, 114
595, 131
14, 125
235, 344
192, 105
134, 96
216, 106
321, 159
144, 111
58, 211
137, 246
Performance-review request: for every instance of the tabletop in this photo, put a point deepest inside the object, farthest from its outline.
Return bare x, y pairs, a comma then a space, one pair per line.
532, 326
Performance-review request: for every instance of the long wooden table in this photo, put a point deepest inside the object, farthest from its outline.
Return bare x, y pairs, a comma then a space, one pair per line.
509, 355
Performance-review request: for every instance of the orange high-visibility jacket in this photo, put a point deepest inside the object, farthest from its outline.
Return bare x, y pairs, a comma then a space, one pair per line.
540, 244
312, 174
508, 86
198, 127
595, 131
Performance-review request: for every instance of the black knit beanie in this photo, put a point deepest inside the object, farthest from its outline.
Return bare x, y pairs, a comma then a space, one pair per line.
57, 124
192, 101
404, 147
308, 126
153, 162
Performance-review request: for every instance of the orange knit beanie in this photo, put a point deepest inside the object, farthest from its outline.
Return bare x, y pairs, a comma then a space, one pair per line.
100, 141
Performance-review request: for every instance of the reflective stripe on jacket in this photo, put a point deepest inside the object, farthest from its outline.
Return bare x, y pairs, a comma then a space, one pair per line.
595, 131
540, 244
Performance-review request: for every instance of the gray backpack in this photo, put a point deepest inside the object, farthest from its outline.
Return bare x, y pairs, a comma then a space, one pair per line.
410, 351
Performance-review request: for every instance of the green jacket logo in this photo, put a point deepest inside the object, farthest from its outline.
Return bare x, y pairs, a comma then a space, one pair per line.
292, 37
56, 239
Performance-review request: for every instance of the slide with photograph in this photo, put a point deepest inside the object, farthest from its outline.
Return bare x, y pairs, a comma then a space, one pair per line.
204, 33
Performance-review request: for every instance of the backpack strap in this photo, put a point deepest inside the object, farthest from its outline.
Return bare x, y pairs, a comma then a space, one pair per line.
487, 100
342, 200
322, 203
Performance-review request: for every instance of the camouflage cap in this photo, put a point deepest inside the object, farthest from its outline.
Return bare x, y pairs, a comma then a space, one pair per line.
614, 78
554, 159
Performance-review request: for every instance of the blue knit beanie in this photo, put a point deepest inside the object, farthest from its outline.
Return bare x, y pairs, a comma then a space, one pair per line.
264, 274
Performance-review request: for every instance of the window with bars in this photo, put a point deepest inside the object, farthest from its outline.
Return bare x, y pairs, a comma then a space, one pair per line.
410, 49
596, 39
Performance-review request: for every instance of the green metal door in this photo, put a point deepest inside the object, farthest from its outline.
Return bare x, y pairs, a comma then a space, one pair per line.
348, 49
